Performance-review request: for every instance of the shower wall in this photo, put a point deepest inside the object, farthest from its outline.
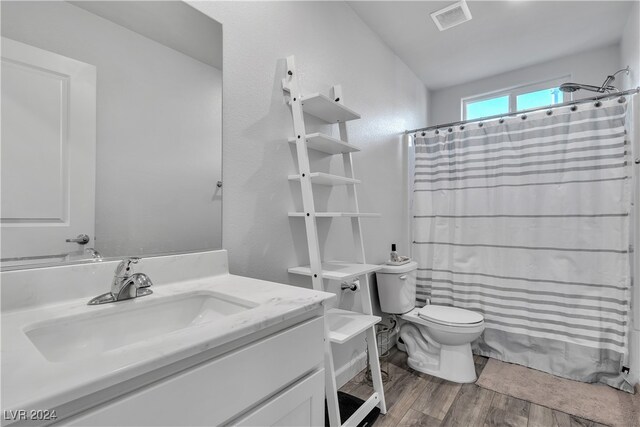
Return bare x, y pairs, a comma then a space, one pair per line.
629, 49
590, 67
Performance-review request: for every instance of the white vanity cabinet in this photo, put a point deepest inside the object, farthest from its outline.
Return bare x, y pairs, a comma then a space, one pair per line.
278, 380
206, 348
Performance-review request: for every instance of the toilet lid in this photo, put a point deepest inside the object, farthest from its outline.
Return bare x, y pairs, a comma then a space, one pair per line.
450, 315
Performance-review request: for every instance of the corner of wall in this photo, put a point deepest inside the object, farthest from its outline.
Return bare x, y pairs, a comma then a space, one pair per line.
629, 49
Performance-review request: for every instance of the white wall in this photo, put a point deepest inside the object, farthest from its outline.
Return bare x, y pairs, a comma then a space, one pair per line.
630, 49
158, 129
590, 67
332, 46
630, 55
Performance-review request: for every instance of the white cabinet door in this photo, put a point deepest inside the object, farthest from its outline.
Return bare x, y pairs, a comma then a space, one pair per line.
217, 391
48, 151
300, 405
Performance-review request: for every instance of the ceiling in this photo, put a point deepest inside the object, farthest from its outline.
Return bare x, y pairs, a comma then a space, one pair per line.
172, 23
502, 36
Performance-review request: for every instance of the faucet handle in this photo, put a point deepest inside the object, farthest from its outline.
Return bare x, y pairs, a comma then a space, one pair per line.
142, 281
122, 270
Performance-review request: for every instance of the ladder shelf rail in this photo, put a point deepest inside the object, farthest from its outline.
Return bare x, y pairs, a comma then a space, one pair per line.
346, 324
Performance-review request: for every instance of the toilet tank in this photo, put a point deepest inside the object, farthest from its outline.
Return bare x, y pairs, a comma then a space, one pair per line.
397, 287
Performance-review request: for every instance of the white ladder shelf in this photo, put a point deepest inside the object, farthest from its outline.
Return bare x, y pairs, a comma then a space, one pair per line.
341, 325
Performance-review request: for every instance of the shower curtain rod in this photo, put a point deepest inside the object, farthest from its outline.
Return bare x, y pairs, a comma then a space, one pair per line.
530, 110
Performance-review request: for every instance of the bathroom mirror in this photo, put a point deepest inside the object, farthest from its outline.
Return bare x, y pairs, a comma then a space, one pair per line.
111, 130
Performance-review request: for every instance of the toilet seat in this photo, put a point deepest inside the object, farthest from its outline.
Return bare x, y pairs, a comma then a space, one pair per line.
450, 316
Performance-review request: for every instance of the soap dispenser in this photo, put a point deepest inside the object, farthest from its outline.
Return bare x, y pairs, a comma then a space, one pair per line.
394, 254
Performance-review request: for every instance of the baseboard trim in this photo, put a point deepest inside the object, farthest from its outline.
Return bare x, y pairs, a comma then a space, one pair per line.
350, 369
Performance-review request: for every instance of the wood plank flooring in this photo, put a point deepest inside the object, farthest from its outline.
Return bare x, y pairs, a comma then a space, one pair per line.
417, 399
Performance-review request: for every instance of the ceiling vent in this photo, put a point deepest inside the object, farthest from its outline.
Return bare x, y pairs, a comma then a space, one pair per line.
452, 15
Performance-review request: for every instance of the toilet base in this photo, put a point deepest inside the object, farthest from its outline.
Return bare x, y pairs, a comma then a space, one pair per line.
455, 363
449, 362
400, 345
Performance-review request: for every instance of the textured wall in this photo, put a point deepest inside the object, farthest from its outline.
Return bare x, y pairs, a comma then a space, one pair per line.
332, 46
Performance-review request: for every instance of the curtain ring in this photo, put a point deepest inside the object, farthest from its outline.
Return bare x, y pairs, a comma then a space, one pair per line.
549, 112
574, 107
523, 117
450, 130
621, 100
437, 132
598, 103
424, 133
480, 124
501, 120
461, 127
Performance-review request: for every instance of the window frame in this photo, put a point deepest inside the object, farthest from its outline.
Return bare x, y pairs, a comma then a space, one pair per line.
513, 93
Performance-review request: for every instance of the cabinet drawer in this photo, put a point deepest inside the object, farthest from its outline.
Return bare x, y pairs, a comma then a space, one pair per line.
300, 405
216, 391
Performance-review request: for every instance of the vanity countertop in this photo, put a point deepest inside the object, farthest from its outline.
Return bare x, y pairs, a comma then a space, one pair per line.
30, 381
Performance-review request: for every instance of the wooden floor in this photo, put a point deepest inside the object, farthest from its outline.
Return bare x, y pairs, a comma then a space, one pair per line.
417, 399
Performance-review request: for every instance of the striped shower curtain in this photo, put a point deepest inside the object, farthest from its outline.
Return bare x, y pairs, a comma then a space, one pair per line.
526, 220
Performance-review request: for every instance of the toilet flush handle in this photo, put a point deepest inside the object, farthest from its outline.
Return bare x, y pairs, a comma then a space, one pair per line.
403, 277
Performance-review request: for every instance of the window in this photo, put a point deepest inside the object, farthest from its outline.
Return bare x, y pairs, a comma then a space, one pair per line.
487, 107
539, 98
514, 99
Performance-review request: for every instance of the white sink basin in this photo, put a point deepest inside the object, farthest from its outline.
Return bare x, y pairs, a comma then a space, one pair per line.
128, 322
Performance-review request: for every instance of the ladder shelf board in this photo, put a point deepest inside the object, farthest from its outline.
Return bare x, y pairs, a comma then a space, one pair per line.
338, 270
327, 144
337, 214
326, 179
344, 325
324, 108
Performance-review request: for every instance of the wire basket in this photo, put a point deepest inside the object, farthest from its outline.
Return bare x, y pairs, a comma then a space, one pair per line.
383, 338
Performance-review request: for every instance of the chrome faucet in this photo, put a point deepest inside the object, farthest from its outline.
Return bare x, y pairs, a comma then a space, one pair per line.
125, 285
95, 255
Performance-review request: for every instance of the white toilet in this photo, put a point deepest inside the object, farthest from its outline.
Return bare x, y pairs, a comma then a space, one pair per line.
437, 338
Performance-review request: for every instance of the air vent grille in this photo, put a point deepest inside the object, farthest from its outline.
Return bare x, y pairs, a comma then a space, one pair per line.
451, 16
